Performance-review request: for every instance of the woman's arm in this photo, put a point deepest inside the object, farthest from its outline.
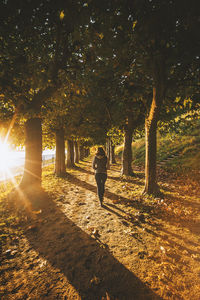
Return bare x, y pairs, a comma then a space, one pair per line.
94, 163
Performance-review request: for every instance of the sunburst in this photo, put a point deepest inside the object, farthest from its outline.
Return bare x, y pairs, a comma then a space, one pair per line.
7, 160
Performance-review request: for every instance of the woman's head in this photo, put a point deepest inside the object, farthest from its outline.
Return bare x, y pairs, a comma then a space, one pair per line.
100, 151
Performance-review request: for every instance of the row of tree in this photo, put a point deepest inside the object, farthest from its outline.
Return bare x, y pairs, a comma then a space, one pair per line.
91, 71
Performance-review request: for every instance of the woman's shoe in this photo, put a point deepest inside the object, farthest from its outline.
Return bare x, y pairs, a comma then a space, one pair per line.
101, 202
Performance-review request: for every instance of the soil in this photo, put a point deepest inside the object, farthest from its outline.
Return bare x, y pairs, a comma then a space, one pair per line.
59, 243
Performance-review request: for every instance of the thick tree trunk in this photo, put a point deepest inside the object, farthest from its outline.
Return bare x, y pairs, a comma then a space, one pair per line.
151, 149
60, 168
76, 152
127, 152
33, 154
159, 71
151, 186
70, 154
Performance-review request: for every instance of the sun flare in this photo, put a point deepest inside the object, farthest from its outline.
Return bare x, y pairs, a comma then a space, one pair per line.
7, 158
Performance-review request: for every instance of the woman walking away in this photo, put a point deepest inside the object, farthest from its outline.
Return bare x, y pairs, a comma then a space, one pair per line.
100, 166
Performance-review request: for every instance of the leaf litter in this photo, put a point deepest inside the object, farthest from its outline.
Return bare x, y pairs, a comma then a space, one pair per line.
135, 247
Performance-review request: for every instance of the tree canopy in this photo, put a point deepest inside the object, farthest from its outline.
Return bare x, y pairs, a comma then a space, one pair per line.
95, 68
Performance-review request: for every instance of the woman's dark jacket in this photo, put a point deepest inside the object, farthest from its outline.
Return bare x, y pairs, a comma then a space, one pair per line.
100, 164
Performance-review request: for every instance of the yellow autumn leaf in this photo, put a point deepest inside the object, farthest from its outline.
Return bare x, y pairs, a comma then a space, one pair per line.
62, 15
101, 36
134, 24
31, 91
84, 92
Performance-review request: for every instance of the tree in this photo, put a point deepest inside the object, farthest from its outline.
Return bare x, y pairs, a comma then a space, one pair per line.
60, 168
160, 29
36, 50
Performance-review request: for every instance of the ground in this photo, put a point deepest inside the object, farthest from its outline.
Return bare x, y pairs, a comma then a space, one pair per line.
66, 246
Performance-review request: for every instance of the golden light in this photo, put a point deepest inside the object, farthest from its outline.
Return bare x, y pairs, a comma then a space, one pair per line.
7, 160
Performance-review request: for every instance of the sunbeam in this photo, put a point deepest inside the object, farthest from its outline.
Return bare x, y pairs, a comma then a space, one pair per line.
8, 160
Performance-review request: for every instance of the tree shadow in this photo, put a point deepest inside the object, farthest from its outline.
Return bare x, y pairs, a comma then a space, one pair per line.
176, 245
83, 170
128, 219
113, 197
124, 179
184, 202
90, 268
180, 237
193, 226
116, 207
106, 206
116, 178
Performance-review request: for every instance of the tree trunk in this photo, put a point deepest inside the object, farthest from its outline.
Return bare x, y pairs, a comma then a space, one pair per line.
70, 154
108, 152
159, 70
151, 186
60, 168
112, 152
33, 154
151, 149
76, 152
127, 153
87, 153
81, 149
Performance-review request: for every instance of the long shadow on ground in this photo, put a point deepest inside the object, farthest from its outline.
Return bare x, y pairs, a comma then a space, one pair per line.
193, 226
116, 178
114, 197
81, 258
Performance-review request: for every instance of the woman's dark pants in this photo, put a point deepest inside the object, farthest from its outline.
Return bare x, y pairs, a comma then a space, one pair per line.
100, 179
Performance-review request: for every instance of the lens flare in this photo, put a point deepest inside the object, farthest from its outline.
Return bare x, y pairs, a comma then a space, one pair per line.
7, 161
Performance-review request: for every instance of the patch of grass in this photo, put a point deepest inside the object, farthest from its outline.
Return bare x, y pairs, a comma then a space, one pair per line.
119, 149
138, 151
182, 149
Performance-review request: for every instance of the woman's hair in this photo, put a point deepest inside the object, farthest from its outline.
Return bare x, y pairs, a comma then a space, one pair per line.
100, 151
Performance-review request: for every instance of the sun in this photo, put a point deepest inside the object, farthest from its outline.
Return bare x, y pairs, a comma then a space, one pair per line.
6, 159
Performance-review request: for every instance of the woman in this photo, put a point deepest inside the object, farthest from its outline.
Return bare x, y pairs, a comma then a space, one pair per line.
100, 166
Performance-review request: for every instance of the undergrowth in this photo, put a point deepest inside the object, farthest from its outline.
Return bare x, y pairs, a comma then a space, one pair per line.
177, 150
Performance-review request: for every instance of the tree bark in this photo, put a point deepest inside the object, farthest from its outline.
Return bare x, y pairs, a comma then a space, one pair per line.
127, 152
81, 148
108, 152
76, 152
151, 186
33, 154
151, 148
87, 152
70, 154
108, 148
112, 152
60, 168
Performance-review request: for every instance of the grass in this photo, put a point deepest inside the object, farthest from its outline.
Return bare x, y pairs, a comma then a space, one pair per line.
183, 146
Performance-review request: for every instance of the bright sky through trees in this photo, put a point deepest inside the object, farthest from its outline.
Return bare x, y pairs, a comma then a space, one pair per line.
11, 160
7, 159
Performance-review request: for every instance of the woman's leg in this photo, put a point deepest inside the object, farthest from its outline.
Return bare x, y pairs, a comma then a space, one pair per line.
100, 179
99, 185
103, 181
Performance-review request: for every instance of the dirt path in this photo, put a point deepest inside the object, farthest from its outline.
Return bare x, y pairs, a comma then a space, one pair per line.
133, 248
